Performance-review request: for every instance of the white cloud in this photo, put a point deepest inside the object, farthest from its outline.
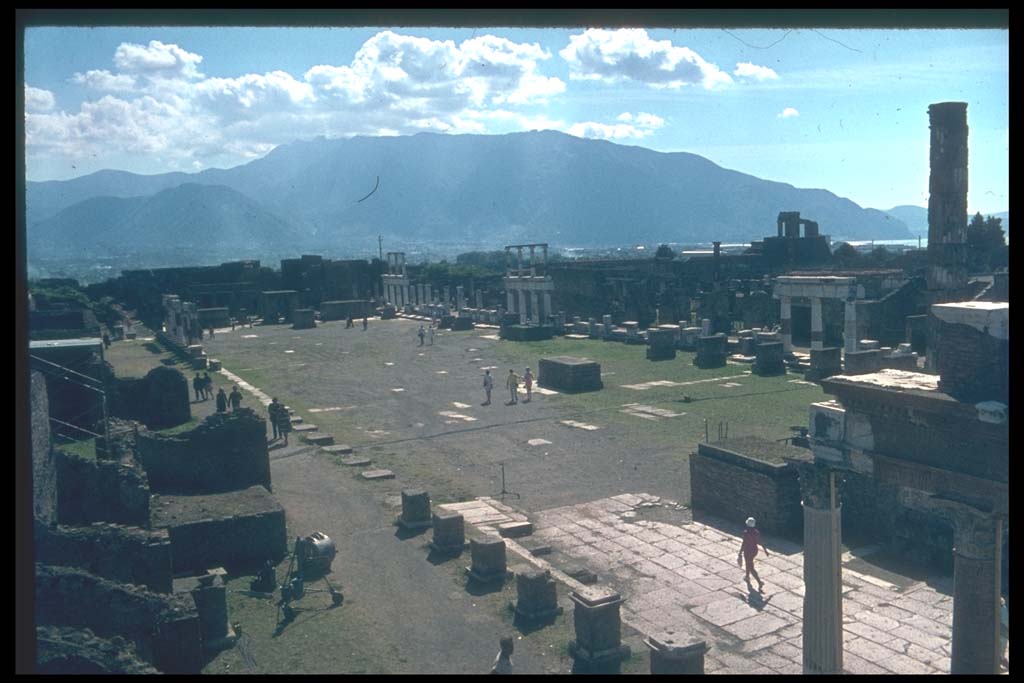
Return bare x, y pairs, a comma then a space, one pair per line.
634, 126
787, 113
755, 72
157, 59
630, 54
101, 79
37, 99
394, 84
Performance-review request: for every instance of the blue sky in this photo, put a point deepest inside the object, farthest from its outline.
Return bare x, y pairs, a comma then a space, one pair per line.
840, 109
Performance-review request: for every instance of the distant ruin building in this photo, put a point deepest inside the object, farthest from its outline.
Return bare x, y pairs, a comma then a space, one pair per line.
790, 249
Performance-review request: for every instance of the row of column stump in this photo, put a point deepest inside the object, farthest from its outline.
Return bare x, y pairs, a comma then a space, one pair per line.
597, 647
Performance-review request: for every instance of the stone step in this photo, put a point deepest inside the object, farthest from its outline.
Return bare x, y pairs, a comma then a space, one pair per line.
515, 529
304, 428
355, 462
338, 448
318, 439
373, 475
296, 420
582, 574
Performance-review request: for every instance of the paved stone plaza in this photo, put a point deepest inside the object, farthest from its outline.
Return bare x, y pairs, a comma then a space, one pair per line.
682, 576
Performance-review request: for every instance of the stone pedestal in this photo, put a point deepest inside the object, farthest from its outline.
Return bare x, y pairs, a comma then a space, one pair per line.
748, 346
825, 363
303, 319
823, 585
862, 362
489, 563
688, 338
449, 532
415, 510
536, 595
769, 359
598, 645
211, 602
711, 351
661, 344
632, 332
669, 655
705, 327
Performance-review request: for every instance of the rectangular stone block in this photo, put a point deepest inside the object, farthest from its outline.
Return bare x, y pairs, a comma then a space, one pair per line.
373, 475
449, 531
825, 363
569, 374
415, 509
711, 351
769, 359
515, 529
489, 559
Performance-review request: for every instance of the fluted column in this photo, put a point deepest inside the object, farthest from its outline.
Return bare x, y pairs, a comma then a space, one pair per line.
817, 331
785, 318
522, 306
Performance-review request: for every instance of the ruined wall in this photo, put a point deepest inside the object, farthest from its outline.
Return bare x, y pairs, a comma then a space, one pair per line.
237, 542
226, 452
340, 310
100, 491
973, 366
889, 321
163, 627
72, 651
734, 488
44, 469
159, 400
119, 553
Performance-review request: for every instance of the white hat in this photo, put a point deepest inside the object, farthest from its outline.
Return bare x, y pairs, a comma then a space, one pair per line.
751, 522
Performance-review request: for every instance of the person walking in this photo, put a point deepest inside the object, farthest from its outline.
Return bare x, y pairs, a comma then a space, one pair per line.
211, 331
366, 323
222, 401
503, 662
431, 333
748, 550
272, 411
207, 386
513, 386
421, 333
488, 385
284, 423
199, 387
235, 399
528, 383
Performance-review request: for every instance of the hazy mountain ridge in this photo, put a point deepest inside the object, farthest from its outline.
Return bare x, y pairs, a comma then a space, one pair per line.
916, 218
497, 189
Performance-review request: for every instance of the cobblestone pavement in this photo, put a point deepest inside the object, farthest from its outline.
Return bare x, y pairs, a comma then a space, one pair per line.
682, 576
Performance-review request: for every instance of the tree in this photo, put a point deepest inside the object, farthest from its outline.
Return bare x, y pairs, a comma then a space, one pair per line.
665, 252
986, 242
845, 254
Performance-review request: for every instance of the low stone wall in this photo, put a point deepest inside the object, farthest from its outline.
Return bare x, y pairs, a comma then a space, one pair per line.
74, 651
119, 553
100, 491
727, 482
973, 366
163, 627
238, 530
159, 400
226, 452
569, 374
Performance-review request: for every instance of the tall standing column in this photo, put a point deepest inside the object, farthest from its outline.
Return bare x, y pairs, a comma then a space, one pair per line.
785, 318
547, 300
977, 556
535, 309
522, 306
511, 294
817, 332
430, 293
823, 584
947, 197
533, 267
850, 327
519, 260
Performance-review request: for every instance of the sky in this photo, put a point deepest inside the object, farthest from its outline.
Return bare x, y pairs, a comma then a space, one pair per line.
841, 109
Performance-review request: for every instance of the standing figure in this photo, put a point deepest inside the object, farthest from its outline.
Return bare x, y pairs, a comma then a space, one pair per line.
222, 401
348, 322
431, 334
284, 423
751, 539
503, 662
235, 398
211, 331
528, 383
199, 387
106, 340
488, 385
272, 411
513, 386
421, 333
366, 323
207, 386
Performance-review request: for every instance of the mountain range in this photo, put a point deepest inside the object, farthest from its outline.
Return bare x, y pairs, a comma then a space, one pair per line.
482, 190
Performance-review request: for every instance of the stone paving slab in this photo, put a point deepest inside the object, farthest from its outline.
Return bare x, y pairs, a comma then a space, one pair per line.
684, 576
304, 428
373, 475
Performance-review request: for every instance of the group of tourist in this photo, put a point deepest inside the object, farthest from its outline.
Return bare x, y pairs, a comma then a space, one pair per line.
427, 333
512, 384
234, 399
203, 386
349, 322
280, 420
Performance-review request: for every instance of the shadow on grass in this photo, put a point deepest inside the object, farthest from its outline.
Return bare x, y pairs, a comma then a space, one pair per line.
479, 588
404, 534
169, 361
526, 625
437, 558
153, 347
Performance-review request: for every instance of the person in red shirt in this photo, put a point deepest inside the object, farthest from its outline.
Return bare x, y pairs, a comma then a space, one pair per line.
751, 539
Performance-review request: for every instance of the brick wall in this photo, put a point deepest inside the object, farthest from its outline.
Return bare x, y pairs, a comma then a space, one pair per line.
236, 543
734, 488
227, 452
972, 366
164, 627
119, 553
100, 491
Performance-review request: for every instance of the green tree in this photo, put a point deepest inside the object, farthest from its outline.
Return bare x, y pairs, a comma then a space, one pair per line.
986, 243
846, 255
665, 252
